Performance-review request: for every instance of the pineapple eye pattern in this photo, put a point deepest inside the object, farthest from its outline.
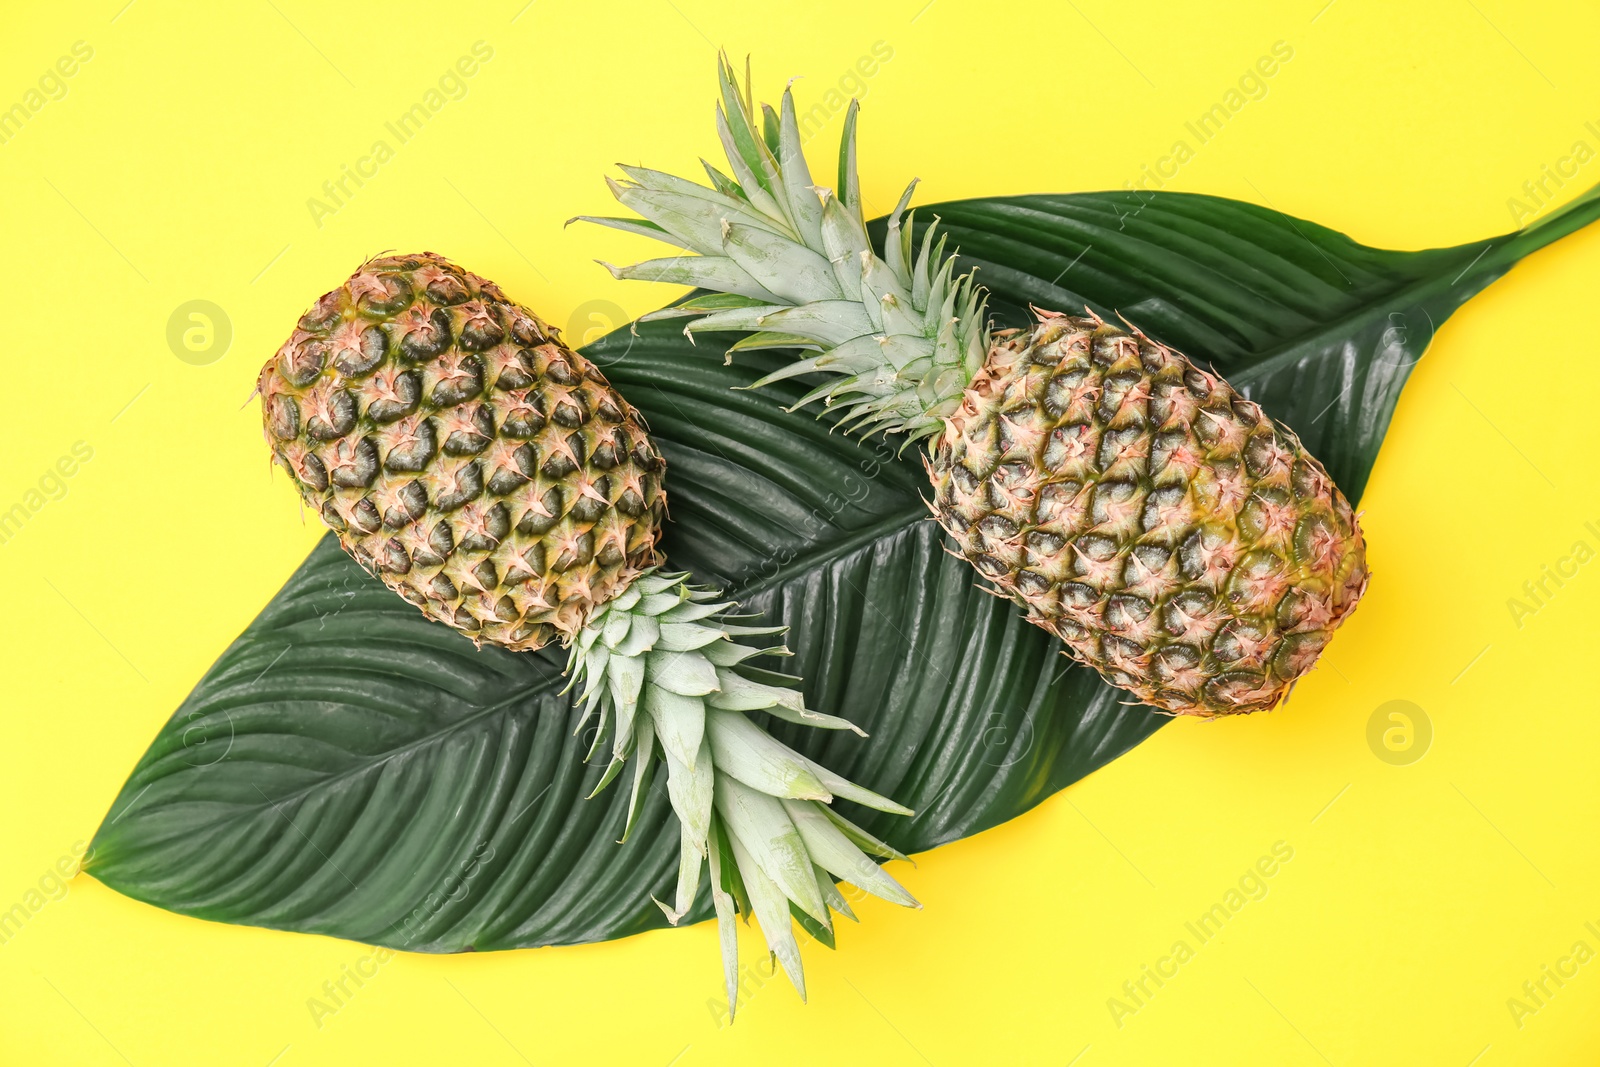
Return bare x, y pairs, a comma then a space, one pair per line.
415, 392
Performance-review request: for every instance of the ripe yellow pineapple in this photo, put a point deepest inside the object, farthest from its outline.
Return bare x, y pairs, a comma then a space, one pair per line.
1172, 535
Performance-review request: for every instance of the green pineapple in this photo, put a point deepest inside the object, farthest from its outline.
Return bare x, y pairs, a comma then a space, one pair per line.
1171, 535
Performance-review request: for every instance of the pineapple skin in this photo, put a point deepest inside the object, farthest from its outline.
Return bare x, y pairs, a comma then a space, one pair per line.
1170, 534
463, 453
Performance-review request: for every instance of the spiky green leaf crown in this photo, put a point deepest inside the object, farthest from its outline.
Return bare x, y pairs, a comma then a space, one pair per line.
900, 336
659, 665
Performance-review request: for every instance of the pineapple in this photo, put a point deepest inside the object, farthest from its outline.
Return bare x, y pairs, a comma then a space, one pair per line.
1170, 534
489, 474
481, 468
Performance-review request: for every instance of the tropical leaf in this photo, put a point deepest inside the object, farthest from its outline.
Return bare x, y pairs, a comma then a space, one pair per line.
1320, 330
349, 768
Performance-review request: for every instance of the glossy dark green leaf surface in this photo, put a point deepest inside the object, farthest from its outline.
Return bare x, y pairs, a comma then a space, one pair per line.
349, 768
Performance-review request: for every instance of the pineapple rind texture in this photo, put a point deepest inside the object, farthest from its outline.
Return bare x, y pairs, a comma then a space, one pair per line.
1174, 537
463, 453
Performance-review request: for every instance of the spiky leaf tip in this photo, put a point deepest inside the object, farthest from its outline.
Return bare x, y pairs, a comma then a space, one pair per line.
896, 337
658, 669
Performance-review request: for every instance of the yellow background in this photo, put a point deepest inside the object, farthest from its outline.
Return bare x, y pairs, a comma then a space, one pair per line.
1420, 897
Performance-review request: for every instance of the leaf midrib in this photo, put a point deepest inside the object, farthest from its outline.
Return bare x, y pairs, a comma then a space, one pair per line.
378, 761
880, 530
807, 562
1411, 295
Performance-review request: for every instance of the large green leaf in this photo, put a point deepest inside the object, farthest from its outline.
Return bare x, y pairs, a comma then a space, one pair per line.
350, 768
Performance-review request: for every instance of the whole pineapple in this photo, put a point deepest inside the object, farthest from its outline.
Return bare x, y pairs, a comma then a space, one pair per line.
463, 453
489, 474
1174, 537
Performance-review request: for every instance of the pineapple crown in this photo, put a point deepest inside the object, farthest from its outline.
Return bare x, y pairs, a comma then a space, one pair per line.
899, 336
659, 665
